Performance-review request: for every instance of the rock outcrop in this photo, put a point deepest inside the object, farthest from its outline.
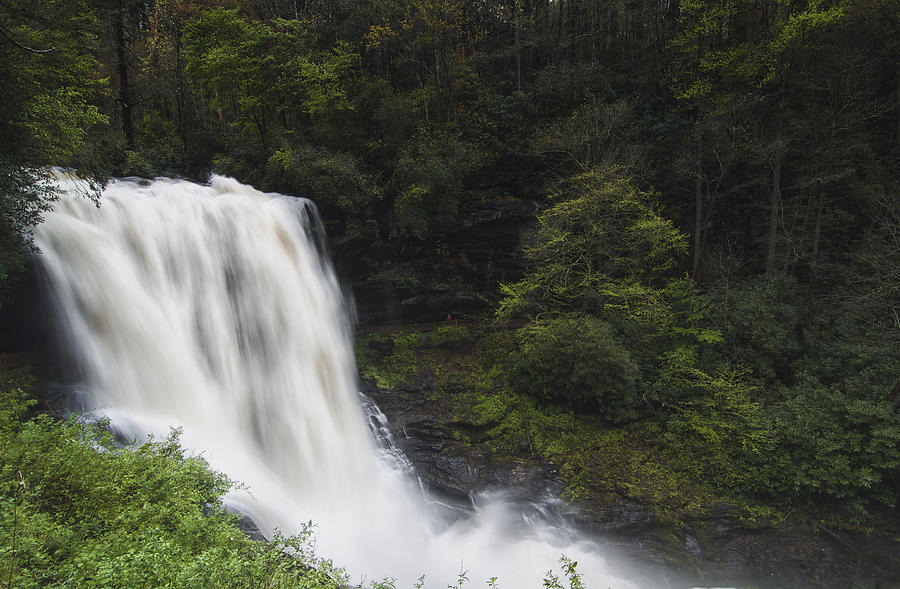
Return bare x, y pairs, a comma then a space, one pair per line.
716, 550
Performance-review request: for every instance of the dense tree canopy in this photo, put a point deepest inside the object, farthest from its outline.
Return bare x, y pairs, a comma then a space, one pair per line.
49, 84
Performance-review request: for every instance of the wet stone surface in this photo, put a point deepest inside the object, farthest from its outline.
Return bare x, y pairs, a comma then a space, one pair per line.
716, 551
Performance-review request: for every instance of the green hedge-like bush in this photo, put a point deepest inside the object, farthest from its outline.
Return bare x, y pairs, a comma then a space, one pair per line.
576, 360
841, 447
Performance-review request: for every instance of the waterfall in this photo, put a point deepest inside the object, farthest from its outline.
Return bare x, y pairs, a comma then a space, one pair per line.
211, 308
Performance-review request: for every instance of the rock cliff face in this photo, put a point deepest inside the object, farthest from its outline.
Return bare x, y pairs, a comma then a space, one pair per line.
718, 549
450, 468
24, 325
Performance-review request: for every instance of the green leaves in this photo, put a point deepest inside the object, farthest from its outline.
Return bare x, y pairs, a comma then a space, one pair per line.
49, 82
606, 247
228, 54
45, 107
265, 68
324, 80
735, 39
717, 427
429, 175
57, 120
78, 511
576, 360
841, 447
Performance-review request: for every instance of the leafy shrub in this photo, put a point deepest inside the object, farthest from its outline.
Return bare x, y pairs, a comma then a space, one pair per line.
715, 427
430, 173
135, 163
76, 511
333, 180
576, 360
763, 316
159, 144
842, 448
412, 210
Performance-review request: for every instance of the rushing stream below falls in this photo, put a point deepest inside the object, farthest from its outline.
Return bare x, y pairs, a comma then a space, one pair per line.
212, 308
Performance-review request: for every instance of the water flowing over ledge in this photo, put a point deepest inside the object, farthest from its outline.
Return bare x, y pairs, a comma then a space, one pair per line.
211, 308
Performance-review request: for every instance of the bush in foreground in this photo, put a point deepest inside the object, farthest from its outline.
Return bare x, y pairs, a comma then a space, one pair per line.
76, 511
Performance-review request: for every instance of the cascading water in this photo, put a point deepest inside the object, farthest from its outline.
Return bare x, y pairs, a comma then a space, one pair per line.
210, 308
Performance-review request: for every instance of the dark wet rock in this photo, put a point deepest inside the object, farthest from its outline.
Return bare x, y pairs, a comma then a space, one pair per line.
691, 544
25, 323
620, 515
716, 550
451, 468
520, 480
248, 526
794, 556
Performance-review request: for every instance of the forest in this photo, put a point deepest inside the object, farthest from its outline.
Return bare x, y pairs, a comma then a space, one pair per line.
694, 285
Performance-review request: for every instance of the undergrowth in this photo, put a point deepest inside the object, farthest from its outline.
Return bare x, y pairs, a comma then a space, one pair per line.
78, 510
599, 461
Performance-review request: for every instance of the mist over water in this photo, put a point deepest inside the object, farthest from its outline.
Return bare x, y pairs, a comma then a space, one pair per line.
210, 308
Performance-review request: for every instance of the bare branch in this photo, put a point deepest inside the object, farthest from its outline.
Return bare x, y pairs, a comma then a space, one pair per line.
25, 47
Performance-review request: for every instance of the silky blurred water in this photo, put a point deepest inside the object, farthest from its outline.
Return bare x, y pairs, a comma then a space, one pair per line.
211, 308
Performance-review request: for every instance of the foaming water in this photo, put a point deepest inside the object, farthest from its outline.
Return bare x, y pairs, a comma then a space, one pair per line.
210, 308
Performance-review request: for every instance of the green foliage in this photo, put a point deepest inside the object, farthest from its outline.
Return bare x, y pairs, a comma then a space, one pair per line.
49, 77
78, 511
159, 146
266, 73
763, 319
558, 87
399, 367
570, 573
593, 136
606, 248
48, 80
429, 173
842, 447
340, 188
450, 334
576, 360
593, 457
227, 54
323, 80
873, 274
711, 34
412, 209
717, 427
25, 194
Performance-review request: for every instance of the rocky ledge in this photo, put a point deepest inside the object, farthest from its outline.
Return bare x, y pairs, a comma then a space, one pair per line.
716, 550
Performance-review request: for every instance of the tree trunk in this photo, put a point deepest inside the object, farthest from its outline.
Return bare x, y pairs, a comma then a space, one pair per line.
698, 206
774, 211
518, 41
122, 70
820, 213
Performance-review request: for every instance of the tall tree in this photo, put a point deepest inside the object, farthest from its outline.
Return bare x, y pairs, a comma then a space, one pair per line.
48, 81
